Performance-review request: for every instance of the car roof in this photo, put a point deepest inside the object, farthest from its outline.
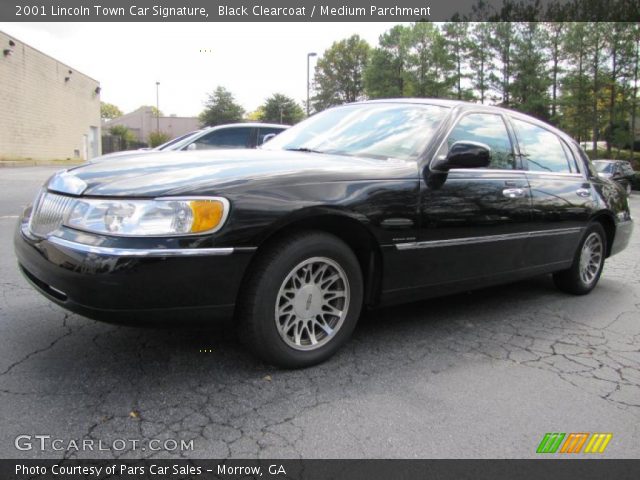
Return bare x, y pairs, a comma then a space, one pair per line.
247, 124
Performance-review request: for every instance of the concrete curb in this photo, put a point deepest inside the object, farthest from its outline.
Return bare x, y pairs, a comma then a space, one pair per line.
38, 163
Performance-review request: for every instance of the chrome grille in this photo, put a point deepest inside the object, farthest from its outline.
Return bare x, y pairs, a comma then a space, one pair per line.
48, 213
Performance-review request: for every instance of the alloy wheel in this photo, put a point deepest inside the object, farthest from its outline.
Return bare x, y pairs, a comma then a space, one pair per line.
312, 303
591, 258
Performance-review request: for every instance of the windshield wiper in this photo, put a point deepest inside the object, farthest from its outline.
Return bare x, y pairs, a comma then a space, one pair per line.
303, 149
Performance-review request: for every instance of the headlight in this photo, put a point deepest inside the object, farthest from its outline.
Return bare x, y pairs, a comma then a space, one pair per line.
159, 217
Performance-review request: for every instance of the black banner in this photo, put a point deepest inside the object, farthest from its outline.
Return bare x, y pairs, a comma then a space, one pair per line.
320, 469
317, 10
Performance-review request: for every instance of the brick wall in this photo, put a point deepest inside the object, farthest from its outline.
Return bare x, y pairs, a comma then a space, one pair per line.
42, 115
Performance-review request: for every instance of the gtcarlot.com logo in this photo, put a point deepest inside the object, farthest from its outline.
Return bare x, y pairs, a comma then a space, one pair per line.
574, 442
49, 443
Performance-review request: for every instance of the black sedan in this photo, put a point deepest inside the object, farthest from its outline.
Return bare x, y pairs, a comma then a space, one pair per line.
619, 171
361, 205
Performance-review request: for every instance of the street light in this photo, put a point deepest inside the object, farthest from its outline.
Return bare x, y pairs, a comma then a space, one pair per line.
157, 107
309, 55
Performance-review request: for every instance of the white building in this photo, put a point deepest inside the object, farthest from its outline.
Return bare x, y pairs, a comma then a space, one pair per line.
143, 122
48, 110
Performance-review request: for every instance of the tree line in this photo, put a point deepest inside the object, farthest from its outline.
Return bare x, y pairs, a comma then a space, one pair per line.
579, 76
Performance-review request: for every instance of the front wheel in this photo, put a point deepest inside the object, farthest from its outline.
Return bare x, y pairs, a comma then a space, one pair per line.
587, 265
302, 300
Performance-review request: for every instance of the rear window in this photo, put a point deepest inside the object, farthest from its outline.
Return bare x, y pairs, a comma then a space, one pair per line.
542, 149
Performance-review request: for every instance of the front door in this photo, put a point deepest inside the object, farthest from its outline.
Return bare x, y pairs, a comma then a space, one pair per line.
474, 222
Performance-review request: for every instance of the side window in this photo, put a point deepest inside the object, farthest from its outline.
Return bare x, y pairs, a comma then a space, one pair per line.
263, 131
489, 129
225, 138
543, 150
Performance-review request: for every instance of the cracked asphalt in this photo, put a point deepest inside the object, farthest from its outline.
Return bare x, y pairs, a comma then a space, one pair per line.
477, 375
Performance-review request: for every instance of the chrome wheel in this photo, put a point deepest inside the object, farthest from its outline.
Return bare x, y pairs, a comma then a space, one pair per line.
628, 189
591, 258
312, 303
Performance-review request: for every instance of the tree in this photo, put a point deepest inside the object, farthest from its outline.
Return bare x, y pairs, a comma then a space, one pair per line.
256, 116
574, 100
596, 45
530, 82
634, 89
456, 36
502, 46
385, 75
621, 51
108, 111
279, 108
430, 64
339, 72
125, 135
481, 59
556, 32
158, 138
221, 108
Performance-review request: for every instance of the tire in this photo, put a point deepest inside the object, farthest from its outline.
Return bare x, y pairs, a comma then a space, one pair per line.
304, 288
587, 265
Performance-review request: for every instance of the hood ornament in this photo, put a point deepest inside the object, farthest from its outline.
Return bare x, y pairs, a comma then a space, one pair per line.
66, 182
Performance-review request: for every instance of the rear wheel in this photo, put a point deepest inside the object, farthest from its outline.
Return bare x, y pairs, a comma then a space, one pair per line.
587, 265
302, 300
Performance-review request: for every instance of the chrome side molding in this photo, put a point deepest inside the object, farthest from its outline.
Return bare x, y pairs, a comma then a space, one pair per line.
486, 239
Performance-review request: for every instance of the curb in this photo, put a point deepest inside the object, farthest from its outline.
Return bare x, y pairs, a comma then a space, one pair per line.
38, 163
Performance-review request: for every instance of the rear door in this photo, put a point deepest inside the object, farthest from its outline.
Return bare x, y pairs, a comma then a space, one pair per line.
561, 196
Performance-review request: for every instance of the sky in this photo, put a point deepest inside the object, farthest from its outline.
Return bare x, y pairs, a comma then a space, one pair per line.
252, 60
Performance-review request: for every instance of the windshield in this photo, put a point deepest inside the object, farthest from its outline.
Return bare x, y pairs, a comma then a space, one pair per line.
603, 167
378, 130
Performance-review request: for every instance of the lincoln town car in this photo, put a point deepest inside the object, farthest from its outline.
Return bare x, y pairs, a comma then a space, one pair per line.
359, 206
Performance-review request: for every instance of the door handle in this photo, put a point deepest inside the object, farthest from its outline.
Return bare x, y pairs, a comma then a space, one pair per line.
513, 192
583, 192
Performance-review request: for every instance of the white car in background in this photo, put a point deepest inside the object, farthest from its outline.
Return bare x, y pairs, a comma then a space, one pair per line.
230, 136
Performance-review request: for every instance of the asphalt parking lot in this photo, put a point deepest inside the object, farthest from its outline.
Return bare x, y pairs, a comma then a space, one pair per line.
477, 375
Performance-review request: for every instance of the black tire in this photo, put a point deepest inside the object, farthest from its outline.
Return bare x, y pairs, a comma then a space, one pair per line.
572, 280
257, 304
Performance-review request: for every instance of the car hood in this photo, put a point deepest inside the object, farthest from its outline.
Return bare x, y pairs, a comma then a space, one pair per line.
178, 173
118, 155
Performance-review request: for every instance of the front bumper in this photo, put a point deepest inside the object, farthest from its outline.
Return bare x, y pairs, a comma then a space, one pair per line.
624, 229
119, 284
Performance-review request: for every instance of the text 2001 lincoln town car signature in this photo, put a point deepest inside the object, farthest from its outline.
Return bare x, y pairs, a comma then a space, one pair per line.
365, 204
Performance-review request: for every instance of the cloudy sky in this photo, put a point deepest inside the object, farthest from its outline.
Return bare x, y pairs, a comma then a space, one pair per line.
253, 60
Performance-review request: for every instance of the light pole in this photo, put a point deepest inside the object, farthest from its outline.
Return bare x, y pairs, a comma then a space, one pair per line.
309, 55
157, 107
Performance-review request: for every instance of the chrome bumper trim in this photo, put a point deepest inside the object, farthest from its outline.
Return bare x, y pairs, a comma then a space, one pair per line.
139, 252
486, 239
130, 252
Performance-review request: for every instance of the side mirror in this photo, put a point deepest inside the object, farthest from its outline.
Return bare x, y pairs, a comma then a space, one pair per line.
191, 147
267, 137
464, 154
